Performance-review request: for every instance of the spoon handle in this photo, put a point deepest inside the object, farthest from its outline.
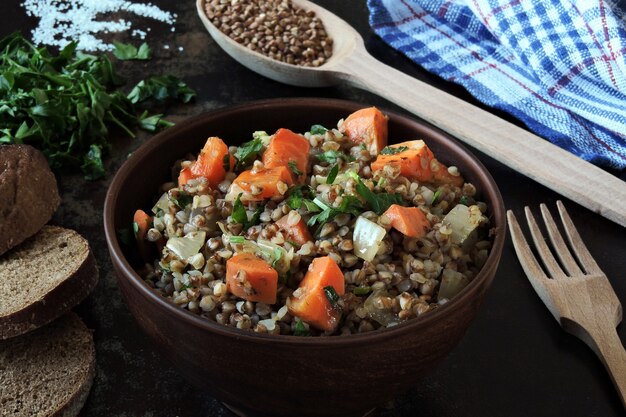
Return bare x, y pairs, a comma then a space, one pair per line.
515, 147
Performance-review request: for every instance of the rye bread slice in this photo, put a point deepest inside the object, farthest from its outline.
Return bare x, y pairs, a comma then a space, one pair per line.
28, 194
43, 278
48, 372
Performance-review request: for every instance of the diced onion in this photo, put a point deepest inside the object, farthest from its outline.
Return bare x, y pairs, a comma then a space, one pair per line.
367, 238
162, 204
375, 310
452, 282
464, 222
187, 246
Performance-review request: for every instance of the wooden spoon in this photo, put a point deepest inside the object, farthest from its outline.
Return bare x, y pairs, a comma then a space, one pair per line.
515, 147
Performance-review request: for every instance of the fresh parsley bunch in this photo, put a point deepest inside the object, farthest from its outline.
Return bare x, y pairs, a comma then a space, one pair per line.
65, 105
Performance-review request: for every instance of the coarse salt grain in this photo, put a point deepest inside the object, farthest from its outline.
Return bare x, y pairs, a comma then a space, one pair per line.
64, 21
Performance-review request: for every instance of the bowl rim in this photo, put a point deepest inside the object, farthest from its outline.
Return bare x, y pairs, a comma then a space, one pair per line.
129, 274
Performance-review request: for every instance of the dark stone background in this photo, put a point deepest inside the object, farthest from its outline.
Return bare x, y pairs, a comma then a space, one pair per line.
514, 361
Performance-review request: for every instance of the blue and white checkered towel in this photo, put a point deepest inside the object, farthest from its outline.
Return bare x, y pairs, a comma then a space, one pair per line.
557, 65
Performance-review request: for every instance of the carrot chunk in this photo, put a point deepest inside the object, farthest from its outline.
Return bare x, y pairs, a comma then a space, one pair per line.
251, 278
184, 176
211, 163
413, 158
141, 224
310, 302
367, 126
441, 175
288, 149
297, 232
266, 183
410, 221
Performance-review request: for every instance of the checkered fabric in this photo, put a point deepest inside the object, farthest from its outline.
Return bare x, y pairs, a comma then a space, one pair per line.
559, 66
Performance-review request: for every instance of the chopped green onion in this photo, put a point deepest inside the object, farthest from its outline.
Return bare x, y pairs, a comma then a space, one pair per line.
237, 239
362, 290
435, 197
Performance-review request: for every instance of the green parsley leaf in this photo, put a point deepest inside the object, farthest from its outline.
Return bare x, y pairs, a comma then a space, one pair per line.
239, 214
297, 195
464, 200
388, 150
161, 88
318, 130
226, 162
300, 329
331, 295
66, 104
379, 202
331, 157
310, 206
278, 254
125, 51
294, 168
135, 228
247, 153
182, 200
332, 174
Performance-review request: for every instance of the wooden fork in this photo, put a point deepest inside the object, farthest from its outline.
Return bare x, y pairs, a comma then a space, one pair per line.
578, 294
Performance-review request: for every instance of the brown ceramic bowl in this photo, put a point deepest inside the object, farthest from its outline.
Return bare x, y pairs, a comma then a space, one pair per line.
258, 374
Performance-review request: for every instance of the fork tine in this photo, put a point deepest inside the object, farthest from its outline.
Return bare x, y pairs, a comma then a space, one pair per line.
551, 264
560, 247
533, 270
579, 248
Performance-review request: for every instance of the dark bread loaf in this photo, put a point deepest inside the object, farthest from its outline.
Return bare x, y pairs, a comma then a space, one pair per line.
48, 372
43, 278
28, 194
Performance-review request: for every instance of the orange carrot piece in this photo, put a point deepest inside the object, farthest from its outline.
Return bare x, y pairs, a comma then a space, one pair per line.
285, 148
266, 181
367, 126
441, 175
311, 303
184, 176
410, 221
141, 224
251, 278
210, 162
298, 233
414, 161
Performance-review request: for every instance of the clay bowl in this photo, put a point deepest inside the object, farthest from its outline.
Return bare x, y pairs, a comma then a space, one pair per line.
257, 374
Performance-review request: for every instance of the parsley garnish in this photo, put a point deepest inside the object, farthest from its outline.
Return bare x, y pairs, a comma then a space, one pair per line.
294, 168
125, 51
318, 130
65, 105
464, 200
349, 204
331, 157
379, 202
331, 295
226, 162
161, 89
388, 150
240, 215
182, 200
332, 174
298, 195
247, 153
300, 329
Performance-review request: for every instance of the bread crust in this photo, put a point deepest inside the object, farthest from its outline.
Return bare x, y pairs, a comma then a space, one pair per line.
29, 195
79, 346
56, 302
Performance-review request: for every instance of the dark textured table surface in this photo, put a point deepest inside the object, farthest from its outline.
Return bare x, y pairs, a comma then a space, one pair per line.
514, 361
